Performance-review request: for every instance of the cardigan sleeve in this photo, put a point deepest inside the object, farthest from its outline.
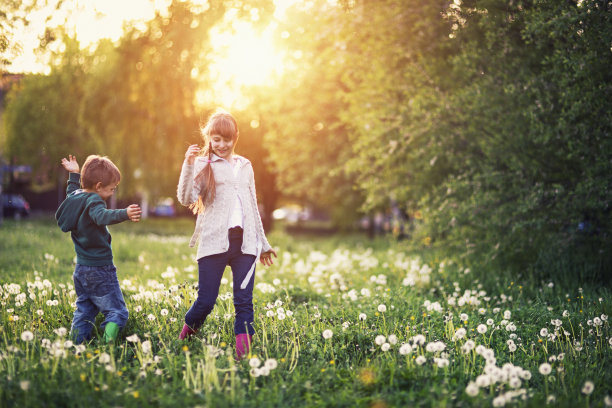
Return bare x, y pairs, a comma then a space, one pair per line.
188, 190
258, 224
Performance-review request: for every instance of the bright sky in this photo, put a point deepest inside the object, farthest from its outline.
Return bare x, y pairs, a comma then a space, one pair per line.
243, 56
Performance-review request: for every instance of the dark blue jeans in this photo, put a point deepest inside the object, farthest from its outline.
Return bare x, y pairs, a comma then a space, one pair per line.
97, 289
210, 273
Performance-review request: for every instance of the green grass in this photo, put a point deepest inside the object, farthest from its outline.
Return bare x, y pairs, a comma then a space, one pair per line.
320, 284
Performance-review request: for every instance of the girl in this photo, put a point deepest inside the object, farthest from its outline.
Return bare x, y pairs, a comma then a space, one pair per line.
219, 186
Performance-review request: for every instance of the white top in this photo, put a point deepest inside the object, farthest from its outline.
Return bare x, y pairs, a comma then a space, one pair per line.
212, 224
237, 217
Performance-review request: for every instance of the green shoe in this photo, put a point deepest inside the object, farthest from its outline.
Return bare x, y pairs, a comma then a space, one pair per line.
110, 332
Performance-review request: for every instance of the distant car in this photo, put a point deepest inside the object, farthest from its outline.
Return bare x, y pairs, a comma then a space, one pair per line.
15, 206
164, 208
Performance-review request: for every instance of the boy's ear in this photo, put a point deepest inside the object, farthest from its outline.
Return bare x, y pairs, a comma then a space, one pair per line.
98, 185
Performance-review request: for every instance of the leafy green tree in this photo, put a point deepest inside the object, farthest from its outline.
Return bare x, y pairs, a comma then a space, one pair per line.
308, 140
42, 116
492, 120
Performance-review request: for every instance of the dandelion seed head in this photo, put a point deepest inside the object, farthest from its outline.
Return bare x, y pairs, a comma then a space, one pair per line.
545, 369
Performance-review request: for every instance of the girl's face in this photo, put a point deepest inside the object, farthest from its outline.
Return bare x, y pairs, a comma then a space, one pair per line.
221, 146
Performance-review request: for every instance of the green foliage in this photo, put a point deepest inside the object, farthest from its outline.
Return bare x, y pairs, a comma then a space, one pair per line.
494, 121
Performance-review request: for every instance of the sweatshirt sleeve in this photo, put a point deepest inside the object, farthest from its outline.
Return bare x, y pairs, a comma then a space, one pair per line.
258, 224
103, 216
187, 191
74, 182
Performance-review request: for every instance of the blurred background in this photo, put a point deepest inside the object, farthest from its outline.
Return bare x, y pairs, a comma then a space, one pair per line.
482, 127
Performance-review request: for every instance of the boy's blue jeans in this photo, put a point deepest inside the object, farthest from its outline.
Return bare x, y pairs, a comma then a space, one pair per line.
97, 289
210, 270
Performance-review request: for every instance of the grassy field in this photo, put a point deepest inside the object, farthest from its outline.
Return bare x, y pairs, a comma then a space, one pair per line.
341, 322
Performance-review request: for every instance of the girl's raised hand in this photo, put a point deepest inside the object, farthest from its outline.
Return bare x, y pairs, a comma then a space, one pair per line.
192, 152
71, 164
266, 257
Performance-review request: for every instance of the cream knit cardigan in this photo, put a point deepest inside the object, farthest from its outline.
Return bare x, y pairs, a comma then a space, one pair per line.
212, 224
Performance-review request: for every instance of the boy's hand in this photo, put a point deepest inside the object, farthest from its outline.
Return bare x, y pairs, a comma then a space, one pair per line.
266, 257
134, 212
192, 152
71, 164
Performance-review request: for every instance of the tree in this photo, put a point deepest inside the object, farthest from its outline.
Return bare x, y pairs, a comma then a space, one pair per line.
308, 141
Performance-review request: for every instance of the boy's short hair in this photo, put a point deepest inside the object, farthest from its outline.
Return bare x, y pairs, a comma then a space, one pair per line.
99, 169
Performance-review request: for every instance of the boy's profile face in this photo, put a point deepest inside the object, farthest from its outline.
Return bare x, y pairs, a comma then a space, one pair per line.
106, 191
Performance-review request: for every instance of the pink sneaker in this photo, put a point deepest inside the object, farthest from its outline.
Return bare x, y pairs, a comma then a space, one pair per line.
186, 332
243, 344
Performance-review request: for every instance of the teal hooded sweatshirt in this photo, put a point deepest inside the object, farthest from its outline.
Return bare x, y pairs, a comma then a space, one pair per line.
85, 215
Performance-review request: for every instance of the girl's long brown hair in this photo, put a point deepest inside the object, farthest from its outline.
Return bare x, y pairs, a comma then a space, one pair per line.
220, 123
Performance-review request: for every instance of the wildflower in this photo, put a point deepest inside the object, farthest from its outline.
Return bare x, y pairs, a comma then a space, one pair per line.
164, 312
608, 401
27, 335
382, 308
514, 382
544, 332
24, 385
512, 347
393, 339
459, 334
468, 346
254, 372
405, 349
151, 317
482, 329
588, 388
483, 381
441, 362
463, 316
490, 322
271, 364
104, 358
61, 331
545, 369
420, 360
385, 347
327, 334
507, 315
254, 362
472, 389
146, 346
380, 339
499, 401
40, 312
565, 313
133, 338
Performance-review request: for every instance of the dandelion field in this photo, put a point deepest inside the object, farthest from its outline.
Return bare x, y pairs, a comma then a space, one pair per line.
339, 321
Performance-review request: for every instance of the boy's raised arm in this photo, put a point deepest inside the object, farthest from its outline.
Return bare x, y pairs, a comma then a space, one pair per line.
74, 176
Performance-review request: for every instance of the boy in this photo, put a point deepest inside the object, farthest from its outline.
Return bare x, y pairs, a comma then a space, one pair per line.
85, 215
